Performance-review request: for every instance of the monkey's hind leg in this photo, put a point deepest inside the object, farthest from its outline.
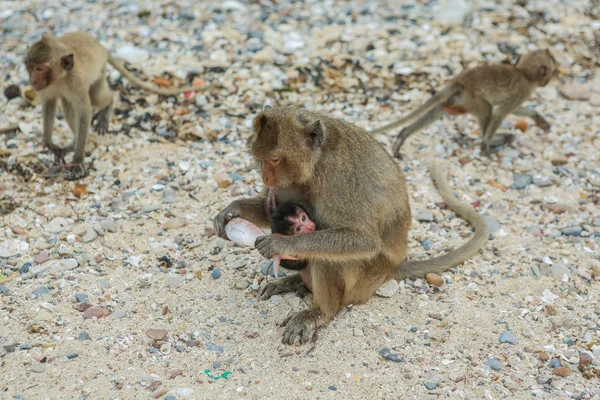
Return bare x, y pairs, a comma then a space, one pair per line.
290, 283
102, 99
427, 119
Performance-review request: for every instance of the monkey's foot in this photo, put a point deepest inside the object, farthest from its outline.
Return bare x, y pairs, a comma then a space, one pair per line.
301, 325
75, 171
100, 121
542, 123
501, 139
290, 283
60, 153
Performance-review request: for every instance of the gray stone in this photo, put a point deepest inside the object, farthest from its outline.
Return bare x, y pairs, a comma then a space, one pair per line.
596, 222
426, 244
38, 368
558, 270
554, 233
89, 235
82, 298
521, 181
431, 385
40, 291
84, 336
388, 355
175, 281
54, 267
57, 225
3, 289
536, 270
214, 347
388, 289
239, 264
425, 216
572, 231
109, 225
534, 229
492, 223
215, 273
494, 364
216, 364
542, 181
266, 268
508, 337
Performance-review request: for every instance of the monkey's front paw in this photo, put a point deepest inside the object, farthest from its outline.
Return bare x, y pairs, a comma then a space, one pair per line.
486, 150
301, 325
76, 171
269, 245
101, 123
222, 218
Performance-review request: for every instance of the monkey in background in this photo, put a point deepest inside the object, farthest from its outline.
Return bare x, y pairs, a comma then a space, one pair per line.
72, 68
360, 202
489, 92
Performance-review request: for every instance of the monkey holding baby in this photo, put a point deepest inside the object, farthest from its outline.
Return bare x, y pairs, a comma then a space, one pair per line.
72, 68
359, 202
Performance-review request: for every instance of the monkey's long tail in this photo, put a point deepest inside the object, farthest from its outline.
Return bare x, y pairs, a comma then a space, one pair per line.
418, 269
440, 97
120, 66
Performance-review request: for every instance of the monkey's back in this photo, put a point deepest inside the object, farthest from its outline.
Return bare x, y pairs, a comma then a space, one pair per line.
90, 56
495, 83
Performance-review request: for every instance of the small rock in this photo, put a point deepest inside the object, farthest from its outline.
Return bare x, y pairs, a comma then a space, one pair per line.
120, 314
562, 371
82, 298
559, 270
175, 281
521, 181
41, 290
388, 289
57, 225
89, 235
434, 279
242, 284
559, 160
427, 244
544, 356
542, 181
3, 289
555, 363
42, 257
97, 312
494, 364
38, 368
595, 271
133, 55
72, 356
425, 216
156, 334
54, 267
239, 264
554, 233
358, 332
109, 225
508, 337
266, 268
84, 336
215, 273
584, 359
214, 347
492, 223
388, 355
332, 388
12, 247
572, 231
12, 91
431, 385
576, 91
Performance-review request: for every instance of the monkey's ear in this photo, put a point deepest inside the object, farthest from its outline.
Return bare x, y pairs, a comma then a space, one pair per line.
259, 123
315, 130
67, 62
267, 107
542, 72
517, 60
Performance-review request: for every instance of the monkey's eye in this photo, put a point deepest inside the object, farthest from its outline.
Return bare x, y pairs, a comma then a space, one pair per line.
303, 218
40, 68
274, 160
298, 228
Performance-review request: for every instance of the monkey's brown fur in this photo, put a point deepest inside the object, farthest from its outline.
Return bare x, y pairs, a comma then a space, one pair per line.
360, 204
72, 68
489, 92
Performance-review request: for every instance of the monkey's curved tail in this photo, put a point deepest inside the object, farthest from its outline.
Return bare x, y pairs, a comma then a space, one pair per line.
418, 269
440, 97
120, 66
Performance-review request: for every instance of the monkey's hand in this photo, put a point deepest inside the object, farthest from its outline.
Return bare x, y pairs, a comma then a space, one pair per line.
270, 245
542, 123
60, 152
227, 214
301, 325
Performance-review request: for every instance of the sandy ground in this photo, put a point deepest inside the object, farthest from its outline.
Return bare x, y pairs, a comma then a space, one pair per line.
157, 182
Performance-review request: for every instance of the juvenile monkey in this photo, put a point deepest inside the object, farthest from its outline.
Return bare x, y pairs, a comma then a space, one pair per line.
72, 68
291, 219
360, 204
489, 92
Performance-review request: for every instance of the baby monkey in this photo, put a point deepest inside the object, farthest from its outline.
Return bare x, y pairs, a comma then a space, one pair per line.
291, 219
489, 92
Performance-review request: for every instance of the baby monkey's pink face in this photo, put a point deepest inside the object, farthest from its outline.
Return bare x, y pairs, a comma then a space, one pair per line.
300, 223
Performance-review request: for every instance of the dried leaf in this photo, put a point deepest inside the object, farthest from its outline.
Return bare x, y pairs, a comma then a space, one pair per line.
80, 191
497, 185
162, 82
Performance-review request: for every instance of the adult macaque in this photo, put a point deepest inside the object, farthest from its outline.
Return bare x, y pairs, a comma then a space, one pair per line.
360, 204
489, 92
72, 68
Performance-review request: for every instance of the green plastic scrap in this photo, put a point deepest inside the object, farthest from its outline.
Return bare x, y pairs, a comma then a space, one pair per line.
224, 376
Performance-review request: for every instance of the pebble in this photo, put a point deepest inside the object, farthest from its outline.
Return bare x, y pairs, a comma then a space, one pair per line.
97, 312
388, 289
120, 314
82, 298
558, 271
494, 364
425, 216
562, 371
12, 91
175, 281
239, 264
555, 363
542, 181
84, 336
215, 273
434, 279
3, 289
57, 225
54, 267
89, 235
554, 233
12, 247
72, 356
266, 268
180, 392
358, 332
332, 388
109, 225
431, 385
388, 355
131, 54
572, 231
576, 91
427, 244
38, 368
585, 359
213, 347
508, 337
521, 181
41, 290
492, 223
156, 334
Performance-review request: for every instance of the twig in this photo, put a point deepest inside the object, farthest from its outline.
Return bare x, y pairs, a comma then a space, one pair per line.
8, 129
